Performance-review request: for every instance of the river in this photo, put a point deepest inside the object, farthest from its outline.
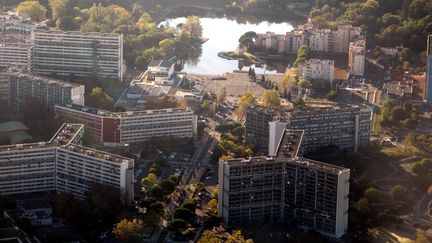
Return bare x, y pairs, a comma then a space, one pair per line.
223, 35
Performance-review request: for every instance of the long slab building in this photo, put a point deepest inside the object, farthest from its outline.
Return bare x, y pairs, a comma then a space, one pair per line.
346, 126
284, 187
50, 52
18, 87
74, 53
121, 128
63, 165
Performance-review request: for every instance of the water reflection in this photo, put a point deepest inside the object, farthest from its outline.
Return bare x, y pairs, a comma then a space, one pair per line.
223, 35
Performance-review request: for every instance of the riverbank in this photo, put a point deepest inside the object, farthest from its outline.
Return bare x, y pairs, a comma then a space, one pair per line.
246, 57
202, 9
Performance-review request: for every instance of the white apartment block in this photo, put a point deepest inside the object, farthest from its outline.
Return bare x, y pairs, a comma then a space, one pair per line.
63, 165
343, 126
120, 128
317, 69
284, 188
73, 53
14, 54
15, 39
356, 57
319, 40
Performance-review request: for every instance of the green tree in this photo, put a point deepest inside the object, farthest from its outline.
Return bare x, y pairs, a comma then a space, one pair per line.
177, 225
156, 192
192, 28
362, 206
58, 8
332, 95
398, 193
99, 99
372, 194
303, 53
270, 98
405, 54
33, 9
246, 100
129, 231
149, 180
191, 204
184, 214
397, 113
423, 167
221, 95
167, 186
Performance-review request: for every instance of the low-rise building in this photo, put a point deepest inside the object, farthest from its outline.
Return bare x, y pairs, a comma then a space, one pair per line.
63, 165
284, 188
37, 211
120, 128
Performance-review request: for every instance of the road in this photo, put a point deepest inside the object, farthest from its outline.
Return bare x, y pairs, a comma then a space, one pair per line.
200, 161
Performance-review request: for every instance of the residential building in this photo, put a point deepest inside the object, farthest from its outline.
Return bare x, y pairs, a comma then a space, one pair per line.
120, 128
63, 165
73, 53
15, 39
356, 57
319, 40
345, 126
317, 69
428, 88
4, 85
24, 87
284, 188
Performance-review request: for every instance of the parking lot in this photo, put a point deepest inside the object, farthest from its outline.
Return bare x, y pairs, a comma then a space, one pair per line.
234, 83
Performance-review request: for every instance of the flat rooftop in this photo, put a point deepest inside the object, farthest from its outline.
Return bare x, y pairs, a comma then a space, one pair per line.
48, 81
96, 153
77, 33
312, 107
298, 161
104, 113
287, 152
63, 136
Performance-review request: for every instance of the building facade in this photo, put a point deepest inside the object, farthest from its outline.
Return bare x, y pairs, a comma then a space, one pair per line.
317, 69
4, 86
120, 128
73, 53
318, 40
356, 57
24, 87
284, 188
345, 127
15, 39
428, 89
63, 165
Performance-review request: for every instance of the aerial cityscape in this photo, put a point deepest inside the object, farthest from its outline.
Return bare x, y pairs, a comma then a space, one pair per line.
237, 121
